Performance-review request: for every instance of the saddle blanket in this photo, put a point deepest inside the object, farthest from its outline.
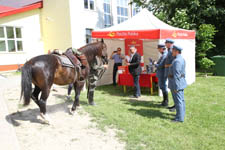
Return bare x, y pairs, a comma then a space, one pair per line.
65, 61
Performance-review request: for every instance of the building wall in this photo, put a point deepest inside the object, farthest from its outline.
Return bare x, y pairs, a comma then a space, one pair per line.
56, 25
31, 35
82, 18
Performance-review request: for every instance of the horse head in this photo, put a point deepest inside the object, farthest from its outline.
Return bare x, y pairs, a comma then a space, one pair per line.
103, 52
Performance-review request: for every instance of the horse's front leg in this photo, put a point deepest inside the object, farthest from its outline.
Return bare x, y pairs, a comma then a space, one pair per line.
78, 86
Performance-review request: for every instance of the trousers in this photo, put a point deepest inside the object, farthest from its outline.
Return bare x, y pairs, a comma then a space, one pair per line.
137, 90
115, 69
179, 101
162, 84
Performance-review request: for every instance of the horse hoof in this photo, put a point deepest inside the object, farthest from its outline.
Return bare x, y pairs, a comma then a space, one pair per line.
72, 112
45, 118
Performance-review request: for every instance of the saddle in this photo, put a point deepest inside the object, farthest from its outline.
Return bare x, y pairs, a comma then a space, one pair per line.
75, 57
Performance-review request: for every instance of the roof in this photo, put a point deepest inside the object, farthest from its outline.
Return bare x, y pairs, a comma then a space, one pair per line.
11, 7
143, 25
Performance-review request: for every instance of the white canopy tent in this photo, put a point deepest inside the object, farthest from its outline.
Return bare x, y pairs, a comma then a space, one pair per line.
145, 26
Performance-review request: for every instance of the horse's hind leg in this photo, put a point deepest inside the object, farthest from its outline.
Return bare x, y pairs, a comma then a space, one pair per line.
35, 94
77, 87
42, 104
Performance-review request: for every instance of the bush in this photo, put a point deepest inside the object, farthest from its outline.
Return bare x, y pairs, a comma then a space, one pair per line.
206, 64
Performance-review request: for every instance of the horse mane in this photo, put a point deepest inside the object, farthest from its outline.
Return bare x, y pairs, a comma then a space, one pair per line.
91, 50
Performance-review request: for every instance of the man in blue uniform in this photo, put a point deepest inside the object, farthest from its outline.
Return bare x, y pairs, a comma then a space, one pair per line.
168, 62
160, 72
118, 58
177, 83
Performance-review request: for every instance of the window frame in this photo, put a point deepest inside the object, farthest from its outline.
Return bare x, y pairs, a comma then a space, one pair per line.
87, 35
15, 39
121, 18
89, 5
108, 13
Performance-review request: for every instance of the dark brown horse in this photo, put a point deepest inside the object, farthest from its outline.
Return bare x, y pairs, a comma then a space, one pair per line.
45, 70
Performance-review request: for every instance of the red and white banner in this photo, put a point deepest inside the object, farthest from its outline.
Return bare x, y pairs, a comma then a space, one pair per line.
145, 34
138, 44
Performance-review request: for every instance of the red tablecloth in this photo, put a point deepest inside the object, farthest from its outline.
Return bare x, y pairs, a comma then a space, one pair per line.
145, 81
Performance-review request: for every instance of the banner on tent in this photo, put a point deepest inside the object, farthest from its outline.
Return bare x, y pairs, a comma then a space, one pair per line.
145, 34
138, 44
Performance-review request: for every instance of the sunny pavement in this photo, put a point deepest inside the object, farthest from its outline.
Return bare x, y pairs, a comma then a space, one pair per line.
7, 132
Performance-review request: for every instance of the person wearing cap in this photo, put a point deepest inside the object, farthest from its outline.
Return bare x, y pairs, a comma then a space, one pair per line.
118, 58
169, 58
177, 83
160, 72
134, 67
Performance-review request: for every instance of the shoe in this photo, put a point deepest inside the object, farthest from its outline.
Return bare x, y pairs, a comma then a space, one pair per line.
171, 107
176, 121
164, 103
165, 99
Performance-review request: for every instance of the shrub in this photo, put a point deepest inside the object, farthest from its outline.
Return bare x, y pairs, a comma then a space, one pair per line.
206, 64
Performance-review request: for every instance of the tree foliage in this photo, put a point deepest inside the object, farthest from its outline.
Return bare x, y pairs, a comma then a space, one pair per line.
204, 37
204, 16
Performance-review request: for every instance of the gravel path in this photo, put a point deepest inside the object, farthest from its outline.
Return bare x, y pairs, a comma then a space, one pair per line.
67, 132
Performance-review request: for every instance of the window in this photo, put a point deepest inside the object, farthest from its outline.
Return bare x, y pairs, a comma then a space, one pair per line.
107, 13
89, 4
88, 35
122, 10
135, 9
10, 39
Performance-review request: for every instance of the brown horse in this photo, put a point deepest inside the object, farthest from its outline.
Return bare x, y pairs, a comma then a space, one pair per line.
45, 70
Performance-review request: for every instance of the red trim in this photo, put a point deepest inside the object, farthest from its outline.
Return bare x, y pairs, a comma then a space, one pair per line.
177, 34
4, 9
145, 34
23, 9
134, 34
10, 67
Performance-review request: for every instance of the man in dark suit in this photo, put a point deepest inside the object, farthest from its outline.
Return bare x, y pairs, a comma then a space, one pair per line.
134, 66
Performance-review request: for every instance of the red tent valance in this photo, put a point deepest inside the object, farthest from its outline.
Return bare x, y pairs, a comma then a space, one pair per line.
145, 34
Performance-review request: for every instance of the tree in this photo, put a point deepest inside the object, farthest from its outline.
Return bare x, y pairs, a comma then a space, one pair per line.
196, 15
204, 37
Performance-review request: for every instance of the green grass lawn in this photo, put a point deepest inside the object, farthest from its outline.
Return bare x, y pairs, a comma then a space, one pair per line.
144, 125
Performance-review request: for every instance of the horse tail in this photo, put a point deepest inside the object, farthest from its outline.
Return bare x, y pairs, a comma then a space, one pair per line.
26, 84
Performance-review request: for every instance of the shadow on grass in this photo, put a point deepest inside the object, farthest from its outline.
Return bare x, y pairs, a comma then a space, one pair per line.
119, 91
148, 109
149, 104
152, 113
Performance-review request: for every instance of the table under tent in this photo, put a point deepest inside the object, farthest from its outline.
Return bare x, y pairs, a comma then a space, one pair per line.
145, 31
